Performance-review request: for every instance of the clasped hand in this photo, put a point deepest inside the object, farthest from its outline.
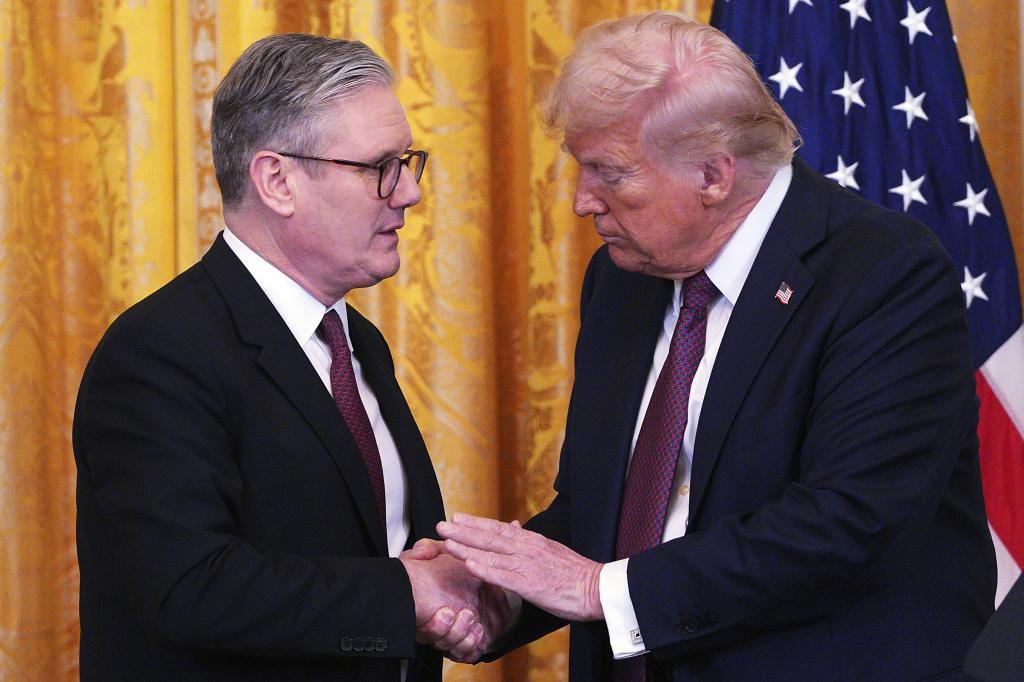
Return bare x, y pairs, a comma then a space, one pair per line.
458, 586
456, 612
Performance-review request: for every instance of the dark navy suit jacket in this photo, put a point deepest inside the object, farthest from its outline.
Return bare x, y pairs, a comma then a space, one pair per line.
227, 527
837, 529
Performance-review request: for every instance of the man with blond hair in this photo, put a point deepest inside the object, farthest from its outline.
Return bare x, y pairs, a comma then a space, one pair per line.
770, 467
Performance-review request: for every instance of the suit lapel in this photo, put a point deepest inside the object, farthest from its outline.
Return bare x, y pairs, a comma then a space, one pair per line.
286, 364
758, 318
629, 336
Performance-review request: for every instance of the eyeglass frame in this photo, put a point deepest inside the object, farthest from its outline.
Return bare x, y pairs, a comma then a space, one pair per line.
403, 160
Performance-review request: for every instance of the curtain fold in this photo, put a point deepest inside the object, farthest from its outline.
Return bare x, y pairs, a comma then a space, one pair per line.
108, 191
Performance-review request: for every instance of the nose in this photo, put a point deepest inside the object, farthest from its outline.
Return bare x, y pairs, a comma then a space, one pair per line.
407, 191
586, 201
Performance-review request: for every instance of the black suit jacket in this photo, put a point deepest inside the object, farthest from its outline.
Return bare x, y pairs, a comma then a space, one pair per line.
227, 527
836, 527
998, 654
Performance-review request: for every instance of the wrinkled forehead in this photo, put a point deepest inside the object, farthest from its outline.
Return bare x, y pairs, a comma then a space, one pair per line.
618, 141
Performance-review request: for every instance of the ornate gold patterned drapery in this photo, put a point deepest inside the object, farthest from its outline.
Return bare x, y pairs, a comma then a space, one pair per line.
107, 191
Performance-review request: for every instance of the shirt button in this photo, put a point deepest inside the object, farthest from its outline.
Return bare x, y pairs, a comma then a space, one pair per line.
684, 490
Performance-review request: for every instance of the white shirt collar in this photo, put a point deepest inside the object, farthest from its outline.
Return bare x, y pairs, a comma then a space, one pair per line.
296, 306
729, 269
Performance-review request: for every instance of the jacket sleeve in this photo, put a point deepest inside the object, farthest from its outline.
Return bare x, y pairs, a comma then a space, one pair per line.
553, 522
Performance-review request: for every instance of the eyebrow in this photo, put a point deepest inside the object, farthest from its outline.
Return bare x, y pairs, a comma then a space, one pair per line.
588, 160
391, 153
606, 166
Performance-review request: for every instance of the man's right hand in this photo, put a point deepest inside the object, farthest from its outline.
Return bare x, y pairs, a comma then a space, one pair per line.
455, 611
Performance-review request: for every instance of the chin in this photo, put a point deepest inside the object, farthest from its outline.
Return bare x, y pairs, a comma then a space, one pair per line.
626, 260
374, 272
389, 269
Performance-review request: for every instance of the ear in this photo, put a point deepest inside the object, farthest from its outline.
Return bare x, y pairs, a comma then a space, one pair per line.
719, 176
273, 180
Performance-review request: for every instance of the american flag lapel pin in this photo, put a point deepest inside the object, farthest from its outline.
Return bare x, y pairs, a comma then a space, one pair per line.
784, 293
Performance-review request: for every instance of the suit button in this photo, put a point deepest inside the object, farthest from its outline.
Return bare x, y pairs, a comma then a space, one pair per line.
359, 644
381, 645
346, 644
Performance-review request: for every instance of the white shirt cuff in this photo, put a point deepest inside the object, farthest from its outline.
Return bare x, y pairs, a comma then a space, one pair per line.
623, 630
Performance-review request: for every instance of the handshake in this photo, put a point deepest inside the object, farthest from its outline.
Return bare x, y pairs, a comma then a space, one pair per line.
459, 584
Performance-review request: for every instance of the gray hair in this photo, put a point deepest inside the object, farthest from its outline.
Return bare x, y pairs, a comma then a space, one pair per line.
272, 98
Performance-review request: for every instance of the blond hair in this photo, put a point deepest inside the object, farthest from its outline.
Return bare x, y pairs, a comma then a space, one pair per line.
694, 91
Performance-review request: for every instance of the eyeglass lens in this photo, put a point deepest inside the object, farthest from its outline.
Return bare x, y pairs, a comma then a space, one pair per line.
390, 173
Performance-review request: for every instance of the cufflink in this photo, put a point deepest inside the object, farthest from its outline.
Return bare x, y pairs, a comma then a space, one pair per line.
635, 638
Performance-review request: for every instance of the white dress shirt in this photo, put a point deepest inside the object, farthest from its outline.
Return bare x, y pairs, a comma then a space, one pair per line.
728, 271
302, 314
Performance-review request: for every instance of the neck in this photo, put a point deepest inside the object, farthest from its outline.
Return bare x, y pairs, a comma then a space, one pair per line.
727, 218
259, 232
747, 191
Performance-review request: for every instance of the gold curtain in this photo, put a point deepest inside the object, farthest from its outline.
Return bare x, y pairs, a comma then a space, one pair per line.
107, 191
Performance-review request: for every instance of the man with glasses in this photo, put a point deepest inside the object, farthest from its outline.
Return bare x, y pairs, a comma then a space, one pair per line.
249, 471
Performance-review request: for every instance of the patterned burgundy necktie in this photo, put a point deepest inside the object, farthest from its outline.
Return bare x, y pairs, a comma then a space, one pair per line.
346, 397
656, 455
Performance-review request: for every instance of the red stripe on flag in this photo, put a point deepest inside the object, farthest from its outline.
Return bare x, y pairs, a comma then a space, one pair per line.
1002, 470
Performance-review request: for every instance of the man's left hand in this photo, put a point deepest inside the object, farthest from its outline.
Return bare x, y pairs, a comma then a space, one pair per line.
544, 572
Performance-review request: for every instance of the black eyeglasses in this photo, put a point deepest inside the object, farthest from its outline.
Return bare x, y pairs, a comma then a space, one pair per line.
388, 170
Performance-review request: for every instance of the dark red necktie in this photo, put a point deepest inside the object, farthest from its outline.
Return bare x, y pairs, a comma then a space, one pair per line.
656, 454
346, 397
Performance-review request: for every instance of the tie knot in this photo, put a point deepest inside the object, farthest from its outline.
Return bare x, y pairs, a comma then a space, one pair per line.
698, 291
333, 332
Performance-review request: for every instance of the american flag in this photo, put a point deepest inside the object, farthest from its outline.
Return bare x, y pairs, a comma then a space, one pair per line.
876, 90
784, 293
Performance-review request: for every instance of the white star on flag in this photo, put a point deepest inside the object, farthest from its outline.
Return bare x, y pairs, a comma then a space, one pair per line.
970, 121
915, 21
910, 190
856, 10
912, 106
971, 286
786, 77
844, 174
794, 3
974, 203
850, 92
